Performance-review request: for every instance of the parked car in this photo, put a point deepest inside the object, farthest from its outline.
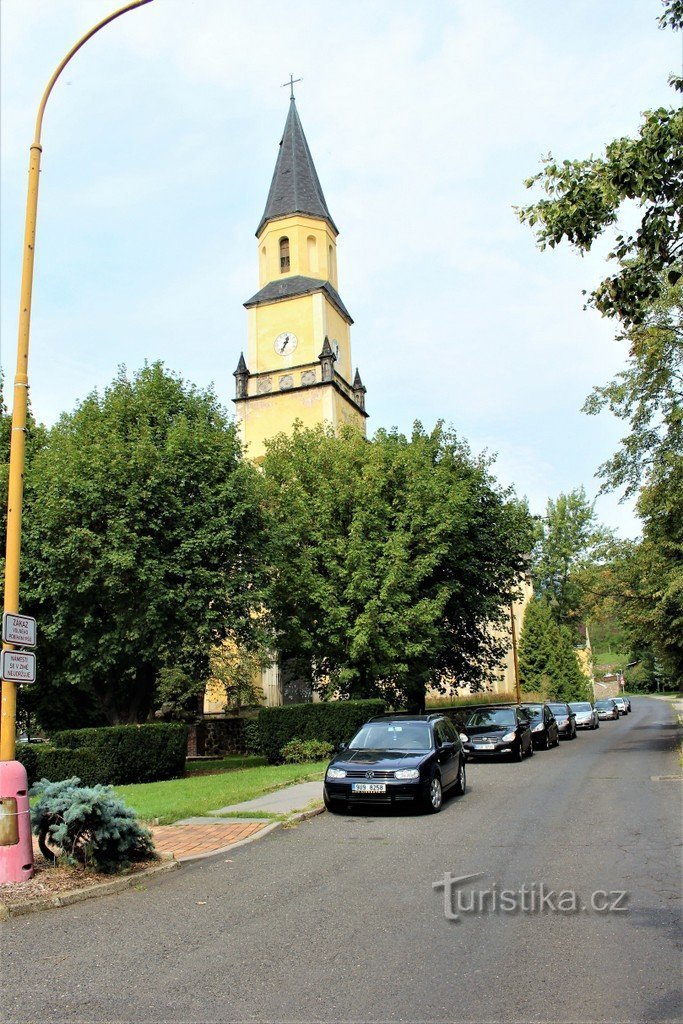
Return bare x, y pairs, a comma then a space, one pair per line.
397, 759
621, 704
544, 732
565, 718
628, 702
498, 730
607, 709
586, 715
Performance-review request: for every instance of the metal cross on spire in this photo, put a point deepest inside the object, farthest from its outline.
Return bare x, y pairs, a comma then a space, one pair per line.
290, 83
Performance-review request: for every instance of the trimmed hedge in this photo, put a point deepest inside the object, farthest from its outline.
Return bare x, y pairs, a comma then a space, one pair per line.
129, 753
331, 721
44, 761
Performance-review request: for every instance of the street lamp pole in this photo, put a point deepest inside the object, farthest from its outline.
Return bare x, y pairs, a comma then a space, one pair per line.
18, 436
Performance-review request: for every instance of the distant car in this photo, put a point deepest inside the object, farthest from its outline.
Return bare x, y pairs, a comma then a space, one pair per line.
621, 704
607, 709
397, 759
498, 730
544, 731
586, 715
565, 718
628, 702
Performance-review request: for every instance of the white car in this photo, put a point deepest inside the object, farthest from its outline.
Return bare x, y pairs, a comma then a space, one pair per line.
621, 704
586, 715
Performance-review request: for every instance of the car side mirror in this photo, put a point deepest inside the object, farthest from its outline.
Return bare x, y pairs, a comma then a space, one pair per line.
342, 745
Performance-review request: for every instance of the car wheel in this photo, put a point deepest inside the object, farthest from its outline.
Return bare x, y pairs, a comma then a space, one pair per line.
461, 781
546, 742
530, 752
517, 754
434, 796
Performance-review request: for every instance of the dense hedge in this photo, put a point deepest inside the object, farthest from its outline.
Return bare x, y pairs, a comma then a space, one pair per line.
43, 761
332, 721
128, 753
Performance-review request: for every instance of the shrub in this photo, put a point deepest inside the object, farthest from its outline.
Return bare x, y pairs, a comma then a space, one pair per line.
300, 751
55, 763
131, 753
88, 826
251, 736
331, 721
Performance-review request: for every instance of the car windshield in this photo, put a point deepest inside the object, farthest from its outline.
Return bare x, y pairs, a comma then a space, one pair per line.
603, 704
497, 716
393, 736
558, 709
534, 710
581, 706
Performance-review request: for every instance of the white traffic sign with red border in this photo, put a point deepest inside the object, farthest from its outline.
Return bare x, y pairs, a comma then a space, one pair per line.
19, 630
18, 666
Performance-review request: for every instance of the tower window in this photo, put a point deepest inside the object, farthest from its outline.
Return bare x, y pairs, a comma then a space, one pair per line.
284, 255
312, 253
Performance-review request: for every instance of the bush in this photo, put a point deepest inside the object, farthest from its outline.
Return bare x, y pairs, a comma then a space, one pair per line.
251, 736
331, 721
131, 753
88, 826
300, 751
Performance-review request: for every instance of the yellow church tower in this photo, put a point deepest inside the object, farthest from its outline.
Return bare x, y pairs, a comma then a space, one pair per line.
298, 364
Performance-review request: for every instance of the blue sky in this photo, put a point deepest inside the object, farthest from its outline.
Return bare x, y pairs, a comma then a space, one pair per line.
423, 119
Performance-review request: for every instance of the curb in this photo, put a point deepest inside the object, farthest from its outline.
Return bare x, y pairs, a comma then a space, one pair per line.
8, 910
272, 827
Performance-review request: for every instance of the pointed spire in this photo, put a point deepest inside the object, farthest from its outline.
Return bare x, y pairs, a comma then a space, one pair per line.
358, 383
241, 376
295, 187
241, 367
327, 359
359, 390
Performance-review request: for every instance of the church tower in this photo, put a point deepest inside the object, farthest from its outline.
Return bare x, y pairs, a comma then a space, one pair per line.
298, 362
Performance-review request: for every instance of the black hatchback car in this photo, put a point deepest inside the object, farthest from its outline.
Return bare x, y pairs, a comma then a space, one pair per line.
499, 730
396, 759
543, 726
565, 718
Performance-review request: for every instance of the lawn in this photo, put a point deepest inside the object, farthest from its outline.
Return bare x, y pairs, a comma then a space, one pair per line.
225, 764
183, 798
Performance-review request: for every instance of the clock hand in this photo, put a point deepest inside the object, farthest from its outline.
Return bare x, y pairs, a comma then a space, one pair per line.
285, 343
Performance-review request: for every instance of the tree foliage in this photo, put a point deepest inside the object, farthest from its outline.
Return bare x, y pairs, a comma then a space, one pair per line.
390, 559
548, 664
140, 546
570, 541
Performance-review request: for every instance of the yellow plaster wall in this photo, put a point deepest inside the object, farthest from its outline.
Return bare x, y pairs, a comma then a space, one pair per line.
298, 230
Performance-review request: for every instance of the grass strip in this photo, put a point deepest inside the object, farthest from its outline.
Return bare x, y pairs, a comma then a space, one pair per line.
169, 801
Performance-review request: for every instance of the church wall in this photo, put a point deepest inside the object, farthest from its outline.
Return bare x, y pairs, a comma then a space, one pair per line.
294, 315
298, 230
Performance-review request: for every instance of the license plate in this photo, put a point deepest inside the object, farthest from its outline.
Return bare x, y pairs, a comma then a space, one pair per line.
483, 746
368, 787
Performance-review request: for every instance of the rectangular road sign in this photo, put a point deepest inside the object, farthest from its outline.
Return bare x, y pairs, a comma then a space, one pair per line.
19, 630
18, 666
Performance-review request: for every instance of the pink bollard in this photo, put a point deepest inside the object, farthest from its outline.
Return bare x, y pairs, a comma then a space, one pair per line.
16, 844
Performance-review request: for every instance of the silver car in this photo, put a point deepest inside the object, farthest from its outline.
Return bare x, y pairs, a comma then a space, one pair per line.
586, 715
621, 704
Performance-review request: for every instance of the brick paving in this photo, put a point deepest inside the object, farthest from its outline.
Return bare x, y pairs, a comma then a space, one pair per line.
188, 841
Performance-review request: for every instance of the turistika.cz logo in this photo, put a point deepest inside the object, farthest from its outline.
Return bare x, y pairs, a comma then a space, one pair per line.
460, 898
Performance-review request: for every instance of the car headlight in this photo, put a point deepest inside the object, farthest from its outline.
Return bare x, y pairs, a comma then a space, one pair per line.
538, 728
336, 773
408, 773
509, 737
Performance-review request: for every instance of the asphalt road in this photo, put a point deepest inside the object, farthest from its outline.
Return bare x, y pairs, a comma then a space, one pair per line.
337, 919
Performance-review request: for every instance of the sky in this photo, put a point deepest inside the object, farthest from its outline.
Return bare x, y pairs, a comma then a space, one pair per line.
424, 120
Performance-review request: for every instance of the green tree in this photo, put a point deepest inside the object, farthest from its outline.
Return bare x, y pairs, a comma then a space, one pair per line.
569, 543
141, 544
389, 558
548, 664
586, 197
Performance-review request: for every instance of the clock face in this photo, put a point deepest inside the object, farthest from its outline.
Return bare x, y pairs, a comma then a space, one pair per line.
285, 343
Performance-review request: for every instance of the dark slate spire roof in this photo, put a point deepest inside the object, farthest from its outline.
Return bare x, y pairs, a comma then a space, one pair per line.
295, 187
241, 366
358, 383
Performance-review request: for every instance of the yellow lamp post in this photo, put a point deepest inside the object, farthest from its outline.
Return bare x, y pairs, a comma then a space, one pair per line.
9, 826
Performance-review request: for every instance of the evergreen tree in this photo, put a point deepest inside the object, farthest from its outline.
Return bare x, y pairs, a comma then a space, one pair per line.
548, 664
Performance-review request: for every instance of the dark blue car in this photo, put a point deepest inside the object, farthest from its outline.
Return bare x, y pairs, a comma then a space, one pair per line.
396, 759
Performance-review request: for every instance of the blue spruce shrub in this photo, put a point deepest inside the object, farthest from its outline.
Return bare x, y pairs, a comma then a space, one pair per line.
87, 825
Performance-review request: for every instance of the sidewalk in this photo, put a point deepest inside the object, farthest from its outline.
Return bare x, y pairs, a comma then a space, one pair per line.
195, 838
